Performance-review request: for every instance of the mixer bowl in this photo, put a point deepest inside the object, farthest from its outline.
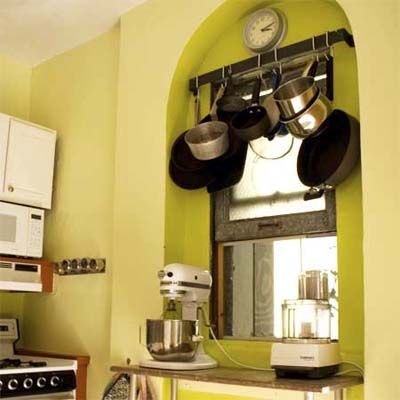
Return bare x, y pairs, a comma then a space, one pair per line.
171, 339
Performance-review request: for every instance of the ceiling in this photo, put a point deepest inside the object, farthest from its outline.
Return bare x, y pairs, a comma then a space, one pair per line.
32, 31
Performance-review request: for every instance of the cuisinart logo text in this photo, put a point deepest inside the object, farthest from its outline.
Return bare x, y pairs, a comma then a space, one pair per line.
307, 358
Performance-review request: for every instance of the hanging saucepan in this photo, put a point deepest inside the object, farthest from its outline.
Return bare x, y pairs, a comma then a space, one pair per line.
185, 170
307, 122
252, 122
296, 95
276, 127
230, 103
209, 140
327, 159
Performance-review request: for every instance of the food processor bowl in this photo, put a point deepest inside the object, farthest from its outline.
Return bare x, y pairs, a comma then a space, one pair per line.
172, 339
306, 321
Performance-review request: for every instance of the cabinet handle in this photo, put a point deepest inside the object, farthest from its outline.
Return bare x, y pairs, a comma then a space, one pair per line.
10, 188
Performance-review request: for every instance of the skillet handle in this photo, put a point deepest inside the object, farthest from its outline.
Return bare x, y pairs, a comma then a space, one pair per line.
255, 99
313, 193
310, 69
213, 109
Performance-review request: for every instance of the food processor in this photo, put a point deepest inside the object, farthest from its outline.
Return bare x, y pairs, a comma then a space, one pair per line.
176, 343
307, 350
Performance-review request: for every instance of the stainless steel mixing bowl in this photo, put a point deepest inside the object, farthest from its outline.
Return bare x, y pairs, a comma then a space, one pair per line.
172, 339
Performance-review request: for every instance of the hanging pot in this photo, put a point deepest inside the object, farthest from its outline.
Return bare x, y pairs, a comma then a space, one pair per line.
296, 95
252, 122
327, 159
209, 140
309, 121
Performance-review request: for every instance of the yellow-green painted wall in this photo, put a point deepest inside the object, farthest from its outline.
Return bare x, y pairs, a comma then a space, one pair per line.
161, 27
15, 91
76, 94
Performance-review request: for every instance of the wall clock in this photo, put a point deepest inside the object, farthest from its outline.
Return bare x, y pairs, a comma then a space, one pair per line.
264, 30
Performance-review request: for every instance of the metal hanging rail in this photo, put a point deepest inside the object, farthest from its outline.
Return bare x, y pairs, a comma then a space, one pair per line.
315, 43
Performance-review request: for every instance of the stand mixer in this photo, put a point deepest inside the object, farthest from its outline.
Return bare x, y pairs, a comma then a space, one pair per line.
176, 343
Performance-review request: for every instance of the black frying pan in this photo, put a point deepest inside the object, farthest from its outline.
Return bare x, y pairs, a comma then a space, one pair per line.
252, 122
328, 158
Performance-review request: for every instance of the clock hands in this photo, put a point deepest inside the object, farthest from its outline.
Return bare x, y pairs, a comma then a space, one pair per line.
267, 28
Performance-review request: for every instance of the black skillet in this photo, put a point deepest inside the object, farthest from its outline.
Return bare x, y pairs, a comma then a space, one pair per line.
327, 158
252, 122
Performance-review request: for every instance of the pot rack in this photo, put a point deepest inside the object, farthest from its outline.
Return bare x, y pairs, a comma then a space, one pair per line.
315, 44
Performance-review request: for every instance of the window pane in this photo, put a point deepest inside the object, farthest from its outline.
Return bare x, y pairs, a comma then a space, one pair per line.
260, 275
271, 187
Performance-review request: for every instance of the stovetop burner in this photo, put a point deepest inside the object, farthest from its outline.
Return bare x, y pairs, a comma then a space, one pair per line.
18, 363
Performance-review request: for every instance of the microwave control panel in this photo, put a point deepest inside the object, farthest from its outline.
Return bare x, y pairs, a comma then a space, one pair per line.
35, 237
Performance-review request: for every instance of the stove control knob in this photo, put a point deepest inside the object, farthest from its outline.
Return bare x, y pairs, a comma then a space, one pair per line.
41, 382
12, 384
1, 385
28, 383
55, 381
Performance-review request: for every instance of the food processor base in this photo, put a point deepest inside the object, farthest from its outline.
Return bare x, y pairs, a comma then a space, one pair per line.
306, 373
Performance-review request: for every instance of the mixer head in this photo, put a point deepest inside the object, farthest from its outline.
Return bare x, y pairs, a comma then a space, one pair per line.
185, 283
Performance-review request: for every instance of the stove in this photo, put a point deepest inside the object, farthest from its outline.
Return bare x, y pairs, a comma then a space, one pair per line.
27, 377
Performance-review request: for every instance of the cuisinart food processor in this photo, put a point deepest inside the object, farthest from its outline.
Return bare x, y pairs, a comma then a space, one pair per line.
176, 343
306, 349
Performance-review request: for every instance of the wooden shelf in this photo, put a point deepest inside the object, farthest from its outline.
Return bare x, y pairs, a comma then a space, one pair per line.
245, 377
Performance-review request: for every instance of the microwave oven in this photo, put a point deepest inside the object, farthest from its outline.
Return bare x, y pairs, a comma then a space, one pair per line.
21, 230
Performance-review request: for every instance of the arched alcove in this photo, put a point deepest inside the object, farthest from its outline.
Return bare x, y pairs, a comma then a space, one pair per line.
218, 42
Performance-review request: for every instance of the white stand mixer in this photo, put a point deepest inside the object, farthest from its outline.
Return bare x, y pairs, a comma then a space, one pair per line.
191, 286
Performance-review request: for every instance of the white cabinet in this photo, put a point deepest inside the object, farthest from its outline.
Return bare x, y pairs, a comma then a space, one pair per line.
26, 162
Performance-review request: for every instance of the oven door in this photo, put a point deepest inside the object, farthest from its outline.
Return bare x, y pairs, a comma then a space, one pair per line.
14, 229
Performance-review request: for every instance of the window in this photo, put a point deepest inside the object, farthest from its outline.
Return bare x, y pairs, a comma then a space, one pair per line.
264, 234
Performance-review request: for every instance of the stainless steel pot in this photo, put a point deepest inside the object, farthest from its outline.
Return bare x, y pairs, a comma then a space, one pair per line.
296, 95
309, 121
313, 285
208, 140
172, 339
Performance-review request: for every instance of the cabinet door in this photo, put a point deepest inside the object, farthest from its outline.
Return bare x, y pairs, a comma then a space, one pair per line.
29, 164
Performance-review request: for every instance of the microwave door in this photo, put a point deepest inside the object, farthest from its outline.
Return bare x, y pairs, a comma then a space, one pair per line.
13, 229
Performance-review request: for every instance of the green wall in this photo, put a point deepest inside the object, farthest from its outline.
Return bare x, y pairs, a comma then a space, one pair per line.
75, 93
190, 210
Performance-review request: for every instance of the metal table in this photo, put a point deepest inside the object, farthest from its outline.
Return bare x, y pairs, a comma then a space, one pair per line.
244, 377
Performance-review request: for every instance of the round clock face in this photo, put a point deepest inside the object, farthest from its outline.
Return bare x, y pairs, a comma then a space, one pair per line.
264, 30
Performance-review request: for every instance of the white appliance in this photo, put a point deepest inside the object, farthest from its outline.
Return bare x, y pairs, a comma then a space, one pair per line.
191, 286
26, 377
26, 162
20, 276
313, 360
21, 230
307, 350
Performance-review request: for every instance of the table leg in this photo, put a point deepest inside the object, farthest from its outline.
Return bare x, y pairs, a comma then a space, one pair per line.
132, 387
309, 396
339, 394
174, 389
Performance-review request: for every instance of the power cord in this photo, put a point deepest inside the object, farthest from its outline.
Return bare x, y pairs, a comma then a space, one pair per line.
207, 324
358, 369
221, 348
